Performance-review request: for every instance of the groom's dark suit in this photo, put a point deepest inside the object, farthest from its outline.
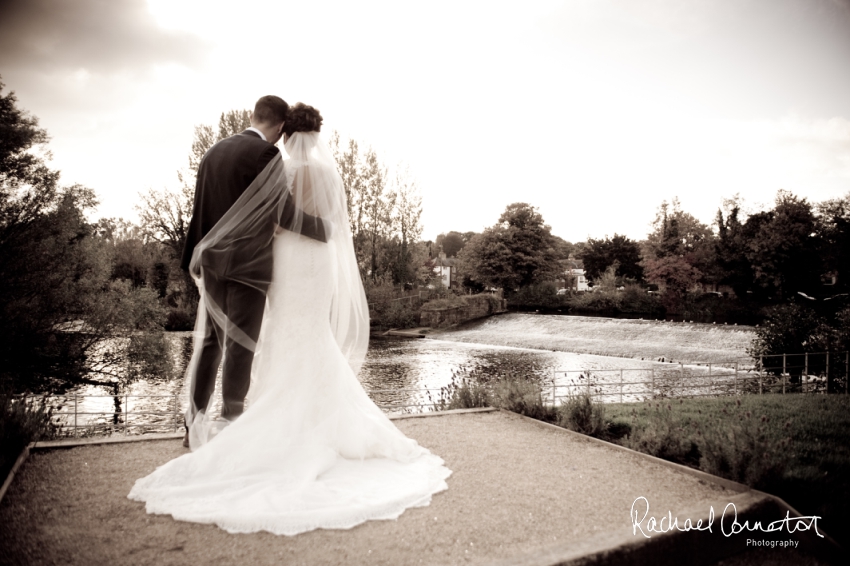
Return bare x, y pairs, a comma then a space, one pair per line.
226, 170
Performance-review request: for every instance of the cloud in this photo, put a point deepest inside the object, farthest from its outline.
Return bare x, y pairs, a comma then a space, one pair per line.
99, 36
754, 57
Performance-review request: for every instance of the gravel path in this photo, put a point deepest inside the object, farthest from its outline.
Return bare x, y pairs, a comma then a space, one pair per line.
516, 487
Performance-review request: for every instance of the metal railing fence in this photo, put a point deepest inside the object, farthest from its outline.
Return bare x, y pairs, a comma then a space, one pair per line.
75, 419
825, 372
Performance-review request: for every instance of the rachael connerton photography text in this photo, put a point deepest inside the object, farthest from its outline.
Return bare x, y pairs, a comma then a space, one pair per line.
729, 524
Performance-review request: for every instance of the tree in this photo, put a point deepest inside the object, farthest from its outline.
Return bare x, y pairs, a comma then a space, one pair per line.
28, 187
733, 238
451, 243
783, 248
563, 248
675, 232
165, 214
516, 252
407, 226
678, 233
229, 123
675, 275
378, 202
833, 219
384, 212
64, 321
598, 255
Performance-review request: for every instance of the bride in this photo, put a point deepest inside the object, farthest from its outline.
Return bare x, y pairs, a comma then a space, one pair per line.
311, 450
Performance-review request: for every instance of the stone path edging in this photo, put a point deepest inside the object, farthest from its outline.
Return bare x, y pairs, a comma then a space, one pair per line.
21, 458
678, 547
728, 484
441, 413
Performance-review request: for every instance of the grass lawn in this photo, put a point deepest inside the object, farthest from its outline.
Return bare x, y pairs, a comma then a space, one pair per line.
816, 477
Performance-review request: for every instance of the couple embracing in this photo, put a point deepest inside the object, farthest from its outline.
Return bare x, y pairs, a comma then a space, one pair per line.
298, 445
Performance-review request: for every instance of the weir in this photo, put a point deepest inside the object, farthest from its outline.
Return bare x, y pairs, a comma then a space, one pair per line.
653, 340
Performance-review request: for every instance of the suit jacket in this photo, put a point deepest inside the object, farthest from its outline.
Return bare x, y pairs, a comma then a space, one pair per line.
226, 170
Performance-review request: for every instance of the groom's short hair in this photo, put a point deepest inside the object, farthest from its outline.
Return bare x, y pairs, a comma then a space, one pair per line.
270, 110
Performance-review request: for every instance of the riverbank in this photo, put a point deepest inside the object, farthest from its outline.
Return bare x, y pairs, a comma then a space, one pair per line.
806, 436
634, 301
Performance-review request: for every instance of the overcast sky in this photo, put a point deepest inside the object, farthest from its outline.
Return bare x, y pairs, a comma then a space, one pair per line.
593, 111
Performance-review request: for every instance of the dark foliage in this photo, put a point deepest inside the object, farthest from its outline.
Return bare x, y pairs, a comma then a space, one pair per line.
66, 316
516, 252
619, 251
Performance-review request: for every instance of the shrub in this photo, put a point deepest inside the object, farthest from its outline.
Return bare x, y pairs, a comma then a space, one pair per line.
449, 302
494, 300
634, 298
400, 314
657, 432
21, 422
179, 319
540, 295
464, 391
735, 446
581, 414
507, 390
602, 301
787, 329
385, 311
522, 396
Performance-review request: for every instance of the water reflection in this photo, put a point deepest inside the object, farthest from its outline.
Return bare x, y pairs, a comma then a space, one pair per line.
401, 371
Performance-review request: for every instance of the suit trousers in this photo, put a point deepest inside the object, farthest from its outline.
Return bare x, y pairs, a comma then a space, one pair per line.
244, 306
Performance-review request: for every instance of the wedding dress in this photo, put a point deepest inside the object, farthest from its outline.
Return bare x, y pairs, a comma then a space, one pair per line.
311, 450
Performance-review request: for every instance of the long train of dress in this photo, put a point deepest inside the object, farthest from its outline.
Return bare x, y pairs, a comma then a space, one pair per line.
311, 450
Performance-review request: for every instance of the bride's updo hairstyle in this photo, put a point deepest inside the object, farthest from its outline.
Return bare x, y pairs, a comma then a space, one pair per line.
302, 118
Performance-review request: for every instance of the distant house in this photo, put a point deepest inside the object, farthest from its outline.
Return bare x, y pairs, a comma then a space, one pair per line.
574, 277
444, 268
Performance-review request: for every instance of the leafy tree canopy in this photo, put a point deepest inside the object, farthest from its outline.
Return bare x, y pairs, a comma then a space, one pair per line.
516, 252
834, 229
678, 233
65, 321
598, 255
451, 243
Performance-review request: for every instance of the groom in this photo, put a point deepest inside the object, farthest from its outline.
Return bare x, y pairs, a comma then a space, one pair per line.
226, 170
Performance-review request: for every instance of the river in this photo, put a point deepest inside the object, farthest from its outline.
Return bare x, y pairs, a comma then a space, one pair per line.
567, 351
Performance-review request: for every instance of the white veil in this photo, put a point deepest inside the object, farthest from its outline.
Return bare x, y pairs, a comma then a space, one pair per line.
316, 191
303, 194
